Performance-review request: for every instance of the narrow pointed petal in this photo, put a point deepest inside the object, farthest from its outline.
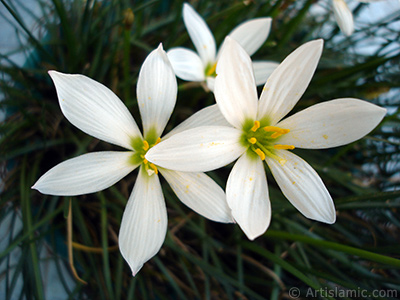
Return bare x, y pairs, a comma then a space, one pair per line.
199, 149
262, 70
288, 82
208, 116
187, 64
88, 173
343, 16
235, 87
156, 91
95, 109
144, 223
252, 34
200, 34
331, 124
199, 192
247, 195
303, 187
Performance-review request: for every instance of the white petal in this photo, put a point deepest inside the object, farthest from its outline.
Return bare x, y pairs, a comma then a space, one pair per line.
88, 173
156, 91
199, 192
209, 116
235, 87
303, 187
95, 109
252, 34
262, 70
144, 223
200, 34
247, 195
187, 64
331, 124
343, 16
288, 82
199, 149
210, 83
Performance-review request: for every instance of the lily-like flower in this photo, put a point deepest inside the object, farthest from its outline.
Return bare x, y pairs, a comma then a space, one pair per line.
344, 16
200, 66
96, 110
258, 133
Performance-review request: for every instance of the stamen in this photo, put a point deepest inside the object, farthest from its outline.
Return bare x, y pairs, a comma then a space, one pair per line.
276, 129
275, 135
145, 161
145, 146
284, 147
211, 70
256, 126
260, 153
154, 168
158, 140
252, 140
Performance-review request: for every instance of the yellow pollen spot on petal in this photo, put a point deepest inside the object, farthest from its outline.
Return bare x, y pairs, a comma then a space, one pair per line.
252, 140
282, 161
211, 71
284, 147
260, 153
325, 136
154, 168
256, 126
145, 146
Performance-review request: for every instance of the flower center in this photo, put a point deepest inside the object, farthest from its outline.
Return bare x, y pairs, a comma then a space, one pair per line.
263, 141
141, 147
210, 70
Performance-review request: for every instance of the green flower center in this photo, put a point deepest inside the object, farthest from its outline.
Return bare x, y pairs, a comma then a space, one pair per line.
210, 70
262, 141
141, 146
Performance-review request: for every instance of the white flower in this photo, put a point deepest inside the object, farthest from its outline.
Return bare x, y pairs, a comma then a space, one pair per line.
258, 133
344, 16
200, 66
96, 110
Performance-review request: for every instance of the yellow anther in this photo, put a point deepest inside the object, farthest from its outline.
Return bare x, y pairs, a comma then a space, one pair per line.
275, 135
153, 167
276, 129
260, 153
252, 140
158, 140
145, 161
145, 146
284, 147
211, 70
256, 126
